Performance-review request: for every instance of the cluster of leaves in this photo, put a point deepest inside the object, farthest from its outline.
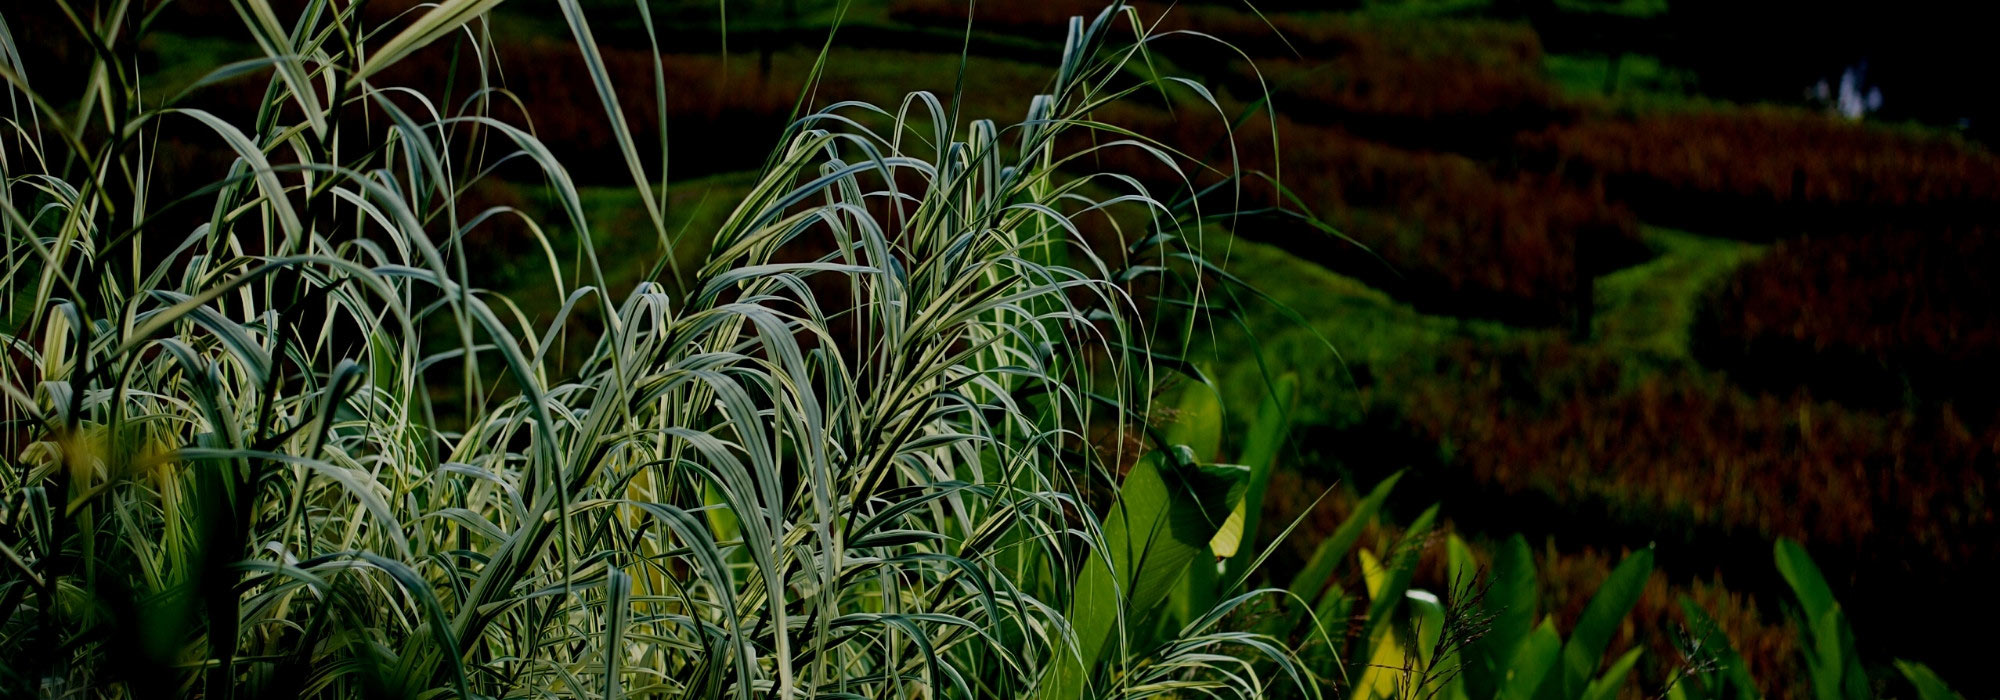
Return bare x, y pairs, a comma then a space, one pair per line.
1567, 578
1496, 626
294, 445
1876, 318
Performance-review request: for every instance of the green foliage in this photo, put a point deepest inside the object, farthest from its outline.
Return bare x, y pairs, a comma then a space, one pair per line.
1311, 580
1728, 677
1828, 643
1929, 686
1482, 639
1534, 658
278, 435
1153, 533
1584, 652
1824, 638
286, 434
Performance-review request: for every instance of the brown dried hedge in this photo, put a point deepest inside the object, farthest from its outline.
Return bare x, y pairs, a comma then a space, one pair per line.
1878, 318
1451, 236
1768, 172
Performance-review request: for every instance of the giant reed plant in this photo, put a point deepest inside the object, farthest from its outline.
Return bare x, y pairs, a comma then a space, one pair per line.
274, 436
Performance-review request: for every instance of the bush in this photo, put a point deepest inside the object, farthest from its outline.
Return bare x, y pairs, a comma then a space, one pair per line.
1312, 36
1768, 172
1448, 102
304, 450
1881, 319
1461, 85
710, 108
1683, 452
1566, 579
1451, 237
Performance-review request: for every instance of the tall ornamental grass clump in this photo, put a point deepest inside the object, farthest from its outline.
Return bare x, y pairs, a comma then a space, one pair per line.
296, 447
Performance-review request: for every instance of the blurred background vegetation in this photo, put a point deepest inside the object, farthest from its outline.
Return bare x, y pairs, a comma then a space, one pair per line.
1676, 273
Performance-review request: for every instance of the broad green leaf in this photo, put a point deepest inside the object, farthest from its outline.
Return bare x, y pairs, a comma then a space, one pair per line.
1390, 579
1814, 596
1461, 567
1828, 641
1197, 422
1531, 662
1929, 685
1427, 622
1836, 668
1729, 670
1319, 569
1607, 610
1510, 601
1260, 454
1381, 676
1374, 575
1387, 593
1154, 530
1606, 686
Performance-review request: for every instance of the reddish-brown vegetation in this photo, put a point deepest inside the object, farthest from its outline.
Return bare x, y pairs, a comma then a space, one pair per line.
1568, 575
1451, 236
1685, 453
1452, 101
1767, 641
1269, 36
1460, 85
711, 110
1880, 318
1767, 171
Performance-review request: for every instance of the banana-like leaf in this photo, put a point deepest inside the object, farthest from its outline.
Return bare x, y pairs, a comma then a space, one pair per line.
1260, 454
1531, 663
1462, 572
1384, 654
1155, 530
1389, 580
1606, 686
1510, 602
1929, 685
1814, 596
1828, 641
1197, 422
1614, 600
1312, 579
